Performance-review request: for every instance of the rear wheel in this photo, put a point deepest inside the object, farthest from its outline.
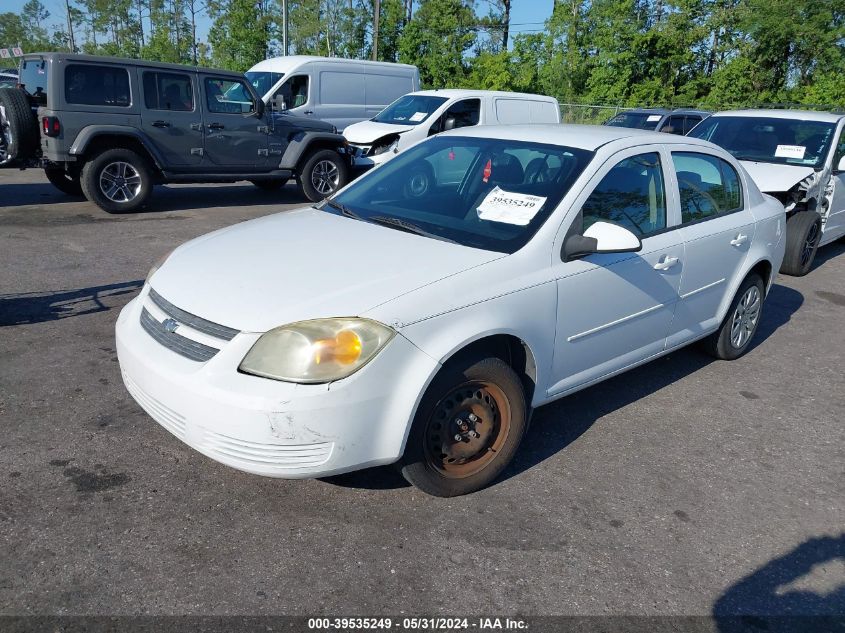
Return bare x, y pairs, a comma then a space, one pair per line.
467, 429
117, 180
734, 336
270, 185
803, 234
64, 181
19, 135
322, 174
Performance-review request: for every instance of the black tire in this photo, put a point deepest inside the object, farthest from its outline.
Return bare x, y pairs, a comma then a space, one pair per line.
485, 388
19, 135
65, 181
803, 233
137, 188
419, 181
323, 173
270, 185
725, 343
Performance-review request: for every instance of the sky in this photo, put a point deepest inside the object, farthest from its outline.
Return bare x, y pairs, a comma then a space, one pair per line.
526, 15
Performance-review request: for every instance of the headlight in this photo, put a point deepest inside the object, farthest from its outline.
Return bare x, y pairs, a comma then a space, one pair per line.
321, 350
159, 262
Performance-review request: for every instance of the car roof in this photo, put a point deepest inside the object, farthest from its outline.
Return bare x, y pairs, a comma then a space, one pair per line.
122, 61
286, 63
451, 93
801, 115
589, 137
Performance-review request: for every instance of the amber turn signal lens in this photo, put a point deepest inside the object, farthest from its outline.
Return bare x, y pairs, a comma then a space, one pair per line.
345, 348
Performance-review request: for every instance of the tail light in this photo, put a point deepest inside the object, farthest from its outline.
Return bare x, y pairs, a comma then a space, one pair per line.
51, 126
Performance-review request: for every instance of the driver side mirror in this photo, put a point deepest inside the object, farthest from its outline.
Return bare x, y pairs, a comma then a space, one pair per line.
449, 123
279, 104
600, 237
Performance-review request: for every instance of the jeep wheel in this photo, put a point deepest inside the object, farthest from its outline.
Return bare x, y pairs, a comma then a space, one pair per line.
19, 135
803, 234
322, 174
66, 182
117, 181
270, 185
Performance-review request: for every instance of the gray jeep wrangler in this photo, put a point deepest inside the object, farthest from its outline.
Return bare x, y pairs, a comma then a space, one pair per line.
113, 128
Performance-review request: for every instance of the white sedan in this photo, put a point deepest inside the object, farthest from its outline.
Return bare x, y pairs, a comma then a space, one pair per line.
394, 324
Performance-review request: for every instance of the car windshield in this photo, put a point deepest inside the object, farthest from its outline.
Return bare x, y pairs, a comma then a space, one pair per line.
410, 110
769, 140
638, 120
491, 194
263, 81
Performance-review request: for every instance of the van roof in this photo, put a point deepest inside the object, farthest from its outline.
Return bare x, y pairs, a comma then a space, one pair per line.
451, 93
286, 64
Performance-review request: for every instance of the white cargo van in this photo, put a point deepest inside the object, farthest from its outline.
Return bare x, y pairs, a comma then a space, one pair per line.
421, 114
340, 91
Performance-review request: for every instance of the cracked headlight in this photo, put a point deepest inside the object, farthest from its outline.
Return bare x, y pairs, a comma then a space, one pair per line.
316, 351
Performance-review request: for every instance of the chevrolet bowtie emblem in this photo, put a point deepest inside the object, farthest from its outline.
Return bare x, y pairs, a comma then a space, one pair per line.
170, 325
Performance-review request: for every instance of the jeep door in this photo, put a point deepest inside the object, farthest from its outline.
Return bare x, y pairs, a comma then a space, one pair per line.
171, 116
236, 138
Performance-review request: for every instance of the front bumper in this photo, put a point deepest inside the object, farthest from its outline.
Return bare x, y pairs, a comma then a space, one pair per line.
268, 427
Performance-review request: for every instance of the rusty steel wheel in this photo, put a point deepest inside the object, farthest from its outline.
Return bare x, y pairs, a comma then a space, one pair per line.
467, 428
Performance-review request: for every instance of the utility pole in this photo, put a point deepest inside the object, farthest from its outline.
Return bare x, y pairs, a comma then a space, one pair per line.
375, 29
284, 27
70, 28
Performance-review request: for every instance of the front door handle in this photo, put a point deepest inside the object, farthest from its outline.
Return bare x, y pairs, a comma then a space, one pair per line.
161, 124
665, 263
215, 126
739, 240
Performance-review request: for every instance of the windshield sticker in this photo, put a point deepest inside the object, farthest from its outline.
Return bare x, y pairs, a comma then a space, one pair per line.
653, 117
509, 207
790, 151
418, 116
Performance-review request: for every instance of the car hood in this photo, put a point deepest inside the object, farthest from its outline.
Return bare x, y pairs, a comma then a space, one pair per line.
366, 132
303, 264
775, 178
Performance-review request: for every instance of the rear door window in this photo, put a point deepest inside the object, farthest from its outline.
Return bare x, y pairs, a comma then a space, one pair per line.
168, 91
87, 84
708, 186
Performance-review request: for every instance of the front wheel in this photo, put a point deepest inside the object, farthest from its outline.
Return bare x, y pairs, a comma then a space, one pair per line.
467, 429
803, 234
117, 181
733, 337
64, 181
322, 174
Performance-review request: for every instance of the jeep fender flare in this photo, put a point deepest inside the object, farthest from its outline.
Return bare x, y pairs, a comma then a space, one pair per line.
300, 145
90, 133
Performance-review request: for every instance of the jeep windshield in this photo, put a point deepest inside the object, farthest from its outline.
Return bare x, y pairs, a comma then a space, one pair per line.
409, 110
769, 139
263, 81
636, 120
492, 194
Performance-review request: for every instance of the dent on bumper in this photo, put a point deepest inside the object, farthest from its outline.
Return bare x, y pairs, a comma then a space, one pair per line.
268, 427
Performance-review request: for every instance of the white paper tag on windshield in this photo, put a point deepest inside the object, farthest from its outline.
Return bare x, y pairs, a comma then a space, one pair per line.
416, 117
653, 117
509, 207
790, 151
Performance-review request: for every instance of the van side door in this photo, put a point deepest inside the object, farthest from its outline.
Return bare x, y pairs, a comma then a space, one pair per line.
340, 98
171, 116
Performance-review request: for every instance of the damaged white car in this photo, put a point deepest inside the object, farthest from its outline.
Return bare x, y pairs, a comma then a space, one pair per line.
799, 158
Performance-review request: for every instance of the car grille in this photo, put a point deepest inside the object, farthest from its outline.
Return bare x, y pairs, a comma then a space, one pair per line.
178, 341
279, 456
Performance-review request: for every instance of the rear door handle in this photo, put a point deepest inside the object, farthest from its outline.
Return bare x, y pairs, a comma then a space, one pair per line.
196, 126
739, 240
309, 112
161, 124
665, 263
215, 126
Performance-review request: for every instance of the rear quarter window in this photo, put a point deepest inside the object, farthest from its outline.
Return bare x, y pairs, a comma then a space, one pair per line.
87, 84
33, 78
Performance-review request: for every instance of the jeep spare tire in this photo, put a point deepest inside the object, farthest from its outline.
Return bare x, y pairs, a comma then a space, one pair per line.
19, 137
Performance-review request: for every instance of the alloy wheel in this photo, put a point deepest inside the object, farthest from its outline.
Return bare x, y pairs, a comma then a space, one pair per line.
5, 141
745, 317
120, 182
810, 243
325, 177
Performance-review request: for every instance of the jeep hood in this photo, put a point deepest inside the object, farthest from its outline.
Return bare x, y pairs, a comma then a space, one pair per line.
775, 178
304, 122
366, 132
303, 264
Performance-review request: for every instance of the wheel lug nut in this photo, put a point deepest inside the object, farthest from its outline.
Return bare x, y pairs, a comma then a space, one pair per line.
458, 437
473, 417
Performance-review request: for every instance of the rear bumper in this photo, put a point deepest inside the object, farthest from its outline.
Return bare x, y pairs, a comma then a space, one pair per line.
268, 427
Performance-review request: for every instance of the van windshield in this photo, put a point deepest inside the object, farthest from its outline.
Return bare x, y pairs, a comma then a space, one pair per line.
410, 110
263, 81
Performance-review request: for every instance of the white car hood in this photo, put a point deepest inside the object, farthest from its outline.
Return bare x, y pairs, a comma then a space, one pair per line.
365, 132
775, 178
303, 264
